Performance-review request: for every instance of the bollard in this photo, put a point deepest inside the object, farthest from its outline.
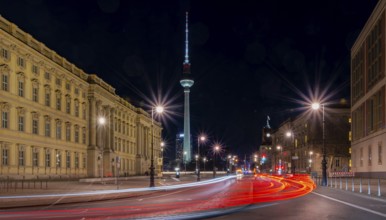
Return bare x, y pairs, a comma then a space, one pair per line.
379, 187
368, 186
340, 182
352, 184
335, 183
331, 182
346, 184
360, 185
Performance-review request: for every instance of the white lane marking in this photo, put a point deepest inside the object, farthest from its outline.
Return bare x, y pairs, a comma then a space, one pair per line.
352, 205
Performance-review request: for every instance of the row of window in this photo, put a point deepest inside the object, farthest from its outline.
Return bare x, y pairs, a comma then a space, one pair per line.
21, 63
368, 62
373, 110
48, 158
369, 155
47, 95
53, 158
21, 124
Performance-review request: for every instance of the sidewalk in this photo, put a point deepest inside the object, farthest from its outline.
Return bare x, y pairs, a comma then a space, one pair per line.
366, 186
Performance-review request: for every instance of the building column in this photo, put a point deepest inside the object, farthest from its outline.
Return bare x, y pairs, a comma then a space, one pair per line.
92, 122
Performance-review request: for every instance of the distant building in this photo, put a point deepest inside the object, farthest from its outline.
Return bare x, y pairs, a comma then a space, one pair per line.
49, 117
179, 148
297, 144
368, 82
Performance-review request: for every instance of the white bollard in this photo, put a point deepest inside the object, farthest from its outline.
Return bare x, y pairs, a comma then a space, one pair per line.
368, 187
379, 187
360, 185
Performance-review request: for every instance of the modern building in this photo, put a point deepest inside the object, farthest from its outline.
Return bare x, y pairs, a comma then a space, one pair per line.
179, 149
297, 144
368, 82
187, 82
58, 121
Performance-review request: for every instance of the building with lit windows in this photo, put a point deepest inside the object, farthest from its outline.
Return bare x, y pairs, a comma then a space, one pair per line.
368, 96
297, 144
51, 117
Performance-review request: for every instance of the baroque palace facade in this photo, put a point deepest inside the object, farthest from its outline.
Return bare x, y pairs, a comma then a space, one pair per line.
368, 83
49, 117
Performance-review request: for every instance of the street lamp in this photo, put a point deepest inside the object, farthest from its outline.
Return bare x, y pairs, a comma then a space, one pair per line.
200, 138
101, 122
280, 160
291, 135
158, 109
216, 150
185, 160
316, 106
162, 154
204, 160
229, 164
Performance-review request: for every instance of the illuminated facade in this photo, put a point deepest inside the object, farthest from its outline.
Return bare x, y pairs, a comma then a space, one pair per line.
297, 143
368, 96
49, 117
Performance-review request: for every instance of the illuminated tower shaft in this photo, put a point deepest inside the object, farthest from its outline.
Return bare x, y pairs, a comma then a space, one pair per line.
186, 82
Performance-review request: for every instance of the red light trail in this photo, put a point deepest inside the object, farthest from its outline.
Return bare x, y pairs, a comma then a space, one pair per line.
231, 193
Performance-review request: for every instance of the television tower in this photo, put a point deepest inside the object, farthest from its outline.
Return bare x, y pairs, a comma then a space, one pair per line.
186, 82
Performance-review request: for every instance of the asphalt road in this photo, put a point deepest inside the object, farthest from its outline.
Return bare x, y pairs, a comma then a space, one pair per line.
247, 198
322, 203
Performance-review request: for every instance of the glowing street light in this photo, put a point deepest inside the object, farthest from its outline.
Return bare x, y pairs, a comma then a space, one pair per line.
216, 149
159, 110
201, 138
185, 160
102, 122
316, 106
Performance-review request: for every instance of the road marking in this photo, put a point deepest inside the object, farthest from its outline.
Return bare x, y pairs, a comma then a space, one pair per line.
352, 205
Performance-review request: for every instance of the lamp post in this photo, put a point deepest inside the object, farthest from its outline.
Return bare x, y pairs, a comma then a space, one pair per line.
216, 149
291, 135
229, 164
280, 160
162, 154
316, 106
102, 122
204, 160
200, 138
310, 160
158, 109
185, 160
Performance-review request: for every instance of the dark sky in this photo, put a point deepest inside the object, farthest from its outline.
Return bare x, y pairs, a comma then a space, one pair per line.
249, 59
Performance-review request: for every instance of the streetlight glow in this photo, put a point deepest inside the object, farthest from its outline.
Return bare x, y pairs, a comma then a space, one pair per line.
315, 106
159, 109
102, 120
288, 134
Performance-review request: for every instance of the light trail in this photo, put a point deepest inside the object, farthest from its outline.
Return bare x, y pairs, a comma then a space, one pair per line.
207, 198
103, 192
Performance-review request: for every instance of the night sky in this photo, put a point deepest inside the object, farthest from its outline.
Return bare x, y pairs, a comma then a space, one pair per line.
249, 59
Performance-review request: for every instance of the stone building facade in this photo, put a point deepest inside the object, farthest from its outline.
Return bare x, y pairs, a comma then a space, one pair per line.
368, 83
49, 117
297, 144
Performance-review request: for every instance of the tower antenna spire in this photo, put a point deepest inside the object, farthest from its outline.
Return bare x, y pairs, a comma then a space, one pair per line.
186, 38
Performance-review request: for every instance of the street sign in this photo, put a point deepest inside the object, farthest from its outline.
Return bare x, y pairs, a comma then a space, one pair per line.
295, 157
